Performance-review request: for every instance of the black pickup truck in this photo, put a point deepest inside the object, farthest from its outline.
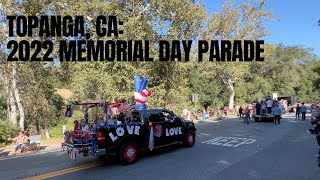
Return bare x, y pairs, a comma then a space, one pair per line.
127, 140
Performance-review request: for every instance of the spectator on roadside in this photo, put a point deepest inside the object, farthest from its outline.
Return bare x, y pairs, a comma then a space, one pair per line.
303, 110
237, 109
285, 105
251, 109
280, 105
21, 141
277, 114
247, 117
297, 112
194, 113
204, 112
225, 110
240, 111
312, 105
185, 114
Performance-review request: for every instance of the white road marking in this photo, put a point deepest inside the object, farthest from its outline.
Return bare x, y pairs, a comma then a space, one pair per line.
229, 141
205, 122
205, 134
26, 155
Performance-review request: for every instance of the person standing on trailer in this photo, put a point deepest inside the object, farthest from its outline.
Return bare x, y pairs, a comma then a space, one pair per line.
258, 108
269, 105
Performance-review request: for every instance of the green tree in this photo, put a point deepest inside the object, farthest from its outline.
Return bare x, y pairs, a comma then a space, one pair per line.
245, 22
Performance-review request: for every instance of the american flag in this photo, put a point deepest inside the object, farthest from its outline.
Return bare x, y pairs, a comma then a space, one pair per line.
123, 107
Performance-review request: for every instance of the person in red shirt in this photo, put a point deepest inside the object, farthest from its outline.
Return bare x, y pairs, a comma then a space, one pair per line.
225, 110
76, 129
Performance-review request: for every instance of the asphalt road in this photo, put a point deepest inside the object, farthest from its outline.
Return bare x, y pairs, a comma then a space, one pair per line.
226, 149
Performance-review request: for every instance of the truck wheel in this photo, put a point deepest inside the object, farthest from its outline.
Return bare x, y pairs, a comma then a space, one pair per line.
189, 139
129, 153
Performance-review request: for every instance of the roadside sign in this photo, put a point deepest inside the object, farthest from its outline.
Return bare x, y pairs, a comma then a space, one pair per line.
195, 98
293, 100
274, 95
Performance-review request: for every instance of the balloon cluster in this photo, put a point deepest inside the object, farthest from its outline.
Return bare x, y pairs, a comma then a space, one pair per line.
141, 92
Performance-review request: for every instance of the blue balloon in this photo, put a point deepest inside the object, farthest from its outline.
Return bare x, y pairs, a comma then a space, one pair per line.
136, 83
141, 106
143, 84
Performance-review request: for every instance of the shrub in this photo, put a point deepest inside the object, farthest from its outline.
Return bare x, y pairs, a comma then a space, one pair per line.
57, 130
7, 130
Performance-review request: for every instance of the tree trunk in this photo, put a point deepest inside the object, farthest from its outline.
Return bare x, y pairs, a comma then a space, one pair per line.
17, 96
11, 105
231, 99
13, 108
7, 88
46, 130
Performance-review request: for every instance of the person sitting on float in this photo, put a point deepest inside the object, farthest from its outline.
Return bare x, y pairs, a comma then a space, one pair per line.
86, 113
112, 120
95, 124
85, 129
114, 112
76, 129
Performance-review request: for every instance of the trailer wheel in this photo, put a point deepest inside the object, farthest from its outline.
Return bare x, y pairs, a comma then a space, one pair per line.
129, 153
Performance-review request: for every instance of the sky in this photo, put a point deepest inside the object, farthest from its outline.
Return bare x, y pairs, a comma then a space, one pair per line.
296, 21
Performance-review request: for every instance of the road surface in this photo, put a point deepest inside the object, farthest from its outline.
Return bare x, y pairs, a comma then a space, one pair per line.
225, 149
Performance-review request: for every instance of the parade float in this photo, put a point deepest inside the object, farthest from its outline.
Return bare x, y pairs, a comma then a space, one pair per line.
85, 136
125, 129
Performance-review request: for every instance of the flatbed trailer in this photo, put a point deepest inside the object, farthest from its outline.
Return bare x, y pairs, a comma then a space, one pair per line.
264, 118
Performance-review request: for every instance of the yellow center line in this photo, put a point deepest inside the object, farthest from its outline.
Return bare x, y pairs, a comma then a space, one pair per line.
64, 171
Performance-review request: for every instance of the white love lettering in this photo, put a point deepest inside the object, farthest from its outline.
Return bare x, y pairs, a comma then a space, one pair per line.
176, 130
113, 138
137, 130
130, 129
120, 131
173, 131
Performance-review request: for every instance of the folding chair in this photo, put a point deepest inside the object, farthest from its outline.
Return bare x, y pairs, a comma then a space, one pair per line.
34, 144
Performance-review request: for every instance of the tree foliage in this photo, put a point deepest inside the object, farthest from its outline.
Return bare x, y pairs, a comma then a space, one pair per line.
288, 70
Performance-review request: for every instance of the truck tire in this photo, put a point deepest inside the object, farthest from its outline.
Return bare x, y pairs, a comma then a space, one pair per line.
129, 153
189, 139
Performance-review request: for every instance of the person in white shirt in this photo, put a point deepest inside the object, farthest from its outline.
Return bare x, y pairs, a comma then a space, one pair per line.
185, 114
85, 130
269, 105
